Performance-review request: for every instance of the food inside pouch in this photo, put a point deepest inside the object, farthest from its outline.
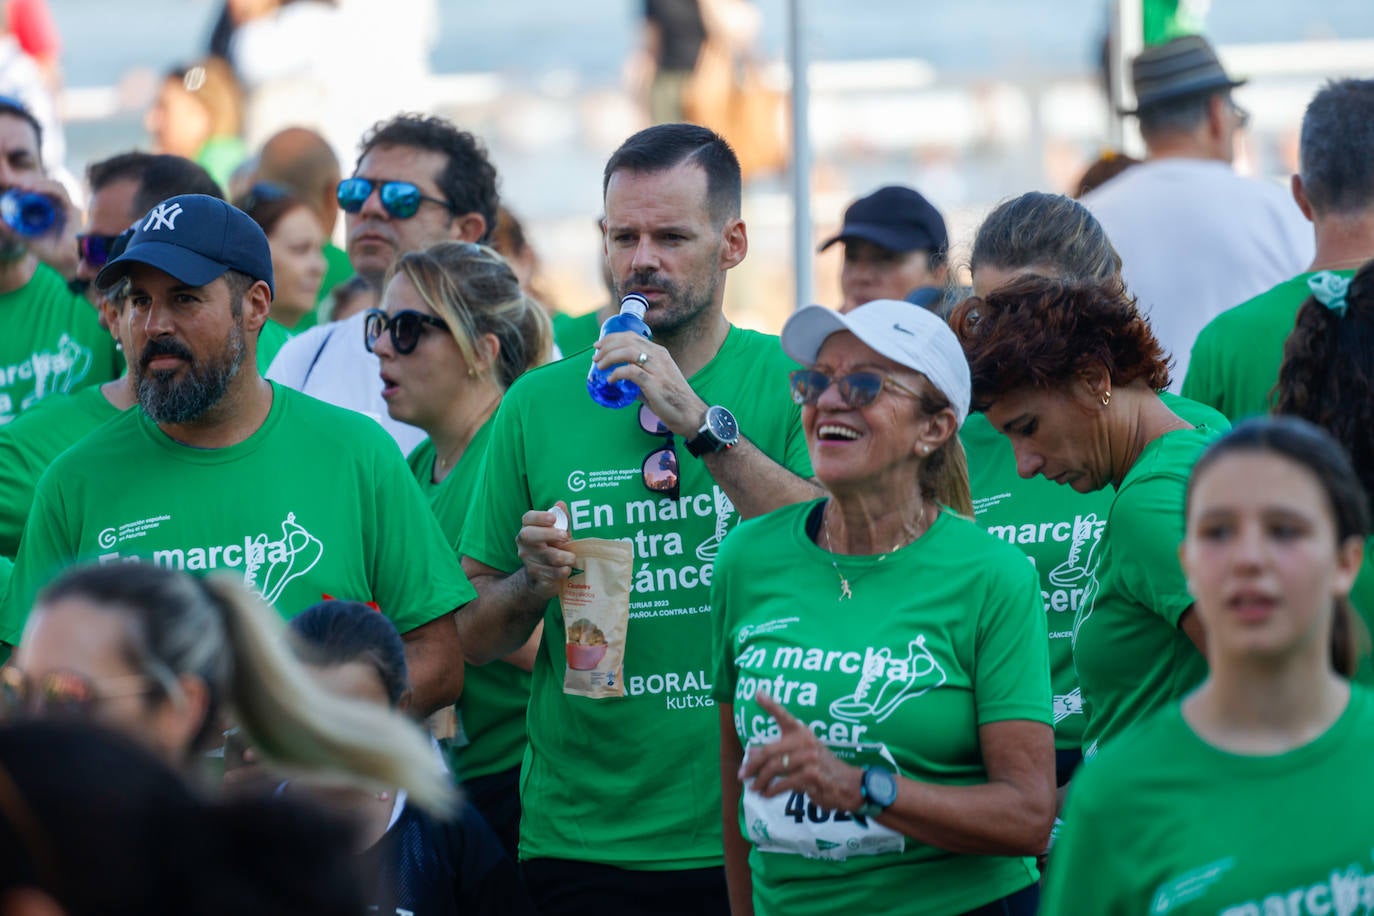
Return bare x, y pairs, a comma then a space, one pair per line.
596, 617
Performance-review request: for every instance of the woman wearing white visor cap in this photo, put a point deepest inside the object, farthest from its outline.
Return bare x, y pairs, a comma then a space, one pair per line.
881, 659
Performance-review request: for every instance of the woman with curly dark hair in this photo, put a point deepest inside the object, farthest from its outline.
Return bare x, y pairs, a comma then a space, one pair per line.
1048, 235
1070, 373
1327, 377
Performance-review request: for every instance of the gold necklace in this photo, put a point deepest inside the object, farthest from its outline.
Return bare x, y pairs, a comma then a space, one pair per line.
846, 592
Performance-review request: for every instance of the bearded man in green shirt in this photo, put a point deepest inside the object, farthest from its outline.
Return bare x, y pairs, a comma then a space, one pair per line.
220, 470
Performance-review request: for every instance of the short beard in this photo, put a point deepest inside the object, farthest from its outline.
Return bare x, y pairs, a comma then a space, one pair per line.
168, 401
685, 306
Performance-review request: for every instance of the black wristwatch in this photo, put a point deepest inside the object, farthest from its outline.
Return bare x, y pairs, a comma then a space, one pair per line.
879, 790
719, 432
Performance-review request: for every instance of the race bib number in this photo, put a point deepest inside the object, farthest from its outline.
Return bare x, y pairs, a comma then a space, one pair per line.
793, 824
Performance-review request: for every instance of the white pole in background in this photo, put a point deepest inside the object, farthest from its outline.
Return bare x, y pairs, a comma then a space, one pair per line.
801, 152
1127, 39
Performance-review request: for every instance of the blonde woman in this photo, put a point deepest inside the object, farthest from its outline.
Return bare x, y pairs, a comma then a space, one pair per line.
454, 330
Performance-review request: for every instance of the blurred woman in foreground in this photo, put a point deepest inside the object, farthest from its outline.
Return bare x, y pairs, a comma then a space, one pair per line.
1252, 794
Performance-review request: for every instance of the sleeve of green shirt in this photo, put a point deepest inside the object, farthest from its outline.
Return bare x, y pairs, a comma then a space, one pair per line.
798, 456
1011, 656
489, 534
1147, 527
1202, 383
723, 684
44, 549
416, 577
17, 476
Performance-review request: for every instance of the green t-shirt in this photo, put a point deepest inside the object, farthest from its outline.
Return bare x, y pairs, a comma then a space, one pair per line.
1164, 823
271, 339
491, 712
315, 502
51, 342
575, 332
32, 442
939, 638
1059, 530
1236, 357
631, 781
1131, 655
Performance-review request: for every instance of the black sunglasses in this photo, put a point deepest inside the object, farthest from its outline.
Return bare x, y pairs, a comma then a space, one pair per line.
858, 389
94, 249
406, 328
401, 199
660, 471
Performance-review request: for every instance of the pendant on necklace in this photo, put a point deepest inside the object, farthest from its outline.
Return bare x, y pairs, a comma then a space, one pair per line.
845, 593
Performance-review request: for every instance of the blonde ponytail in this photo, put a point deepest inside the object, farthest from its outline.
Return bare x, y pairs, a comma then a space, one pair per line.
299, 725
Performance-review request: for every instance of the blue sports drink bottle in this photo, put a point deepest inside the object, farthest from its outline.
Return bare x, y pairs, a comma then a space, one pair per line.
624, 392
27, 213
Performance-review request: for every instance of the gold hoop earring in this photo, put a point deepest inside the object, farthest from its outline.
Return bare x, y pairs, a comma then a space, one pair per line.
1106, 398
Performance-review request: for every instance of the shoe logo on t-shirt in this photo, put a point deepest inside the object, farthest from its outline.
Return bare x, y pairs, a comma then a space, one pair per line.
1080, 565
55, 371
293, 556
725, 511
887, 681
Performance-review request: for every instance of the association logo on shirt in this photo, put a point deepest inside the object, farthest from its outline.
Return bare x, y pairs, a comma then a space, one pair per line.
270, 560
1191, 885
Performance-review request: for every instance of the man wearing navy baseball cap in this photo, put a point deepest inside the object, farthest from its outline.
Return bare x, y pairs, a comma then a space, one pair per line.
895, 247
223, 471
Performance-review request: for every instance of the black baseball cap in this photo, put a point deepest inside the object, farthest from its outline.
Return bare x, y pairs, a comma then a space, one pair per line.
195, 238
895, 217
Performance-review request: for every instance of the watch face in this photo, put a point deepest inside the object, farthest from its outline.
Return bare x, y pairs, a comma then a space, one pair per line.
722, 424
881, 786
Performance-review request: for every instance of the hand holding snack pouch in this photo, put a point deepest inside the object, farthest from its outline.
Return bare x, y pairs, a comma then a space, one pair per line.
596, 617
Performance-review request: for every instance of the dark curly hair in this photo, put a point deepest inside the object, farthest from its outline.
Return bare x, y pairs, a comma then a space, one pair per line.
1327, 375
468, 179
1041, 333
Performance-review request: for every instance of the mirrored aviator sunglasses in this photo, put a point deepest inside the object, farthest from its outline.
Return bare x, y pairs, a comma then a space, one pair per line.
660, 468
406, 327
401, 199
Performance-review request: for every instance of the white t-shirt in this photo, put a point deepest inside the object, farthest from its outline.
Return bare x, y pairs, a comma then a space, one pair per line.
1196, 239
329, 362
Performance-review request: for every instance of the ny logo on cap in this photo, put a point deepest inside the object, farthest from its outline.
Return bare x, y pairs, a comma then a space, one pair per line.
162, 215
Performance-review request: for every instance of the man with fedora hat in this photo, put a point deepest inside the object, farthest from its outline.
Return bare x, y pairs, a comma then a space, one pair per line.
218, 470
1194, 237
895, 247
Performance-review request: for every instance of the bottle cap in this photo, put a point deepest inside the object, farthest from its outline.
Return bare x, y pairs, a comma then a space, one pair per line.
634, 304
560, 518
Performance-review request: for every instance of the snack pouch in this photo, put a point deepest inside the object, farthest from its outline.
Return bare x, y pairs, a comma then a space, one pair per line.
596, 617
